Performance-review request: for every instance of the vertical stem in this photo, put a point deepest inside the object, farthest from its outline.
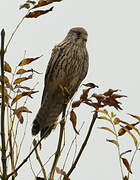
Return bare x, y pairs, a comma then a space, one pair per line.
3, 150
58, 151
118, 147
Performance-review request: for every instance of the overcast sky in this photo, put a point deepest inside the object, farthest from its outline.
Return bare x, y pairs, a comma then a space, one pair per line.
113, 44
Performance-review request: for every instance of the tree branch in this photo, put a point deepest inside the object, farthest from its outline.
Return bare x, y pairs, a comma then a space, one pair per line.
3, 150
26, 159
82, 147
58, 151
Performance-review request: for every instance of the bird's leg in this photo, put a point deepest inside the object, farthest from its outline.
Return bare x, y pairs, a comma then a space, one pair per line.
65, 92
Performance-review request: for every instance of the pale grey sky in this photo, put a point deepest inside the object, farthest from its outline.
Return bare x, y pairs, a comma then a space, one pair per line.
113, 46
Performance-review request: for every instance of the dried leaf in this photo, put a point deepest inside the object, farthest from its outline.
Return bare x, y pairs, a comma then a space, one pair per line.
104, 111
19, 96
31, 2
26, 6
95, 105
7, 67
21, 110
126, 163
76, 104
108, 129
22, 87
45, 3
116, 121
131, 126
21, 71
110, 92
73, 119
134, 138
28, 61
20, 118
105, 118
19, 80
121, 132
62, 172
85, 94
38, 13
125, 152
112, 115
91, 85
113, 141
134, 116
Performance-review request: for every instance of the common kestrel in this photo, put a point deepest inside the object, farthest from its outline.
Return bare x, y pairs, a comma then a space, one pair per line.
67, 68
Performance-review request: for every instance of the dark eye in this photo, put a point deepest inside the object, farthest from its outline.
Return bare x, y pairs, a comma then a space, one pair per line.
78, 33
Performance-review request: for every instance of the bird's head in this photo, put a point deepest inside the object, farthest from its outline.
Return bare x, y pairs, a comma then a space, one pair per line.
77, 35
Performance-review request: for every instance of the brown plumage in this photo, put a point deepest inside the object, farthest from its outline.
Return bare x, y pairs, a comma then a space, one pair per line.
67, 68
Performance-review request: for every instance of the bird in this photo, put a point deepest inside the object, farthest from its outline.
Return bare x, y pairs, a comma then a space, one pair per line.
67, 68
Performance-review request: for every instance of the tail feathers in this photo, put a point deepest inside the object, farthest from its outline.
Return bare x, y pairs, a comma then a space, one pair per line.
35, 128
45, 132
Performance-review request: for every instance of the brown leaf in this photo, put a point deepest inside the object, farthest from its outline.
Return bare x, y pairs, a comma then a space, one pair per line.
110, 92
28, 61
126, 163
20, 117
125, 152
85, 94
108, 129
26, 6
7, 67
73, 119
45, 3
76, 104
31, 2
38, 13
99, 97
22, 71
19, 96
113, 141
62, 172
116, 121
95, 105
19, 80
134, 116
21, 110
22, 87
91, 85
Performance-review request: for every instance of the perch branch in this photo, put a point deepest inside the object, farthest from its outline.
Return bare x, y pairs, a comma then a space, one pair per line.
58, 151
83, 146
3, 150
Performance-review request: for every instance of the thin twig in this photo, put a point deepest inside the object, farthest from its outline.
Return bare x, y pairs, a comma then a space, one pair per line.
82, 147
3, 150
39, 160
26, 159
58, 151
14, 33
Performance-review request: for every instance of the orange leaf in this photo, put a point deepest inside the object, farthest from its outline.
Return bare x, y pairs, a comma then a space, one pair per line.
38, 13
116, 121
113, 141
19, 80
7, 67
26, 6
134, 116
73, 119
21, 71
28, 61
19, 96
126, 163
107, 129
